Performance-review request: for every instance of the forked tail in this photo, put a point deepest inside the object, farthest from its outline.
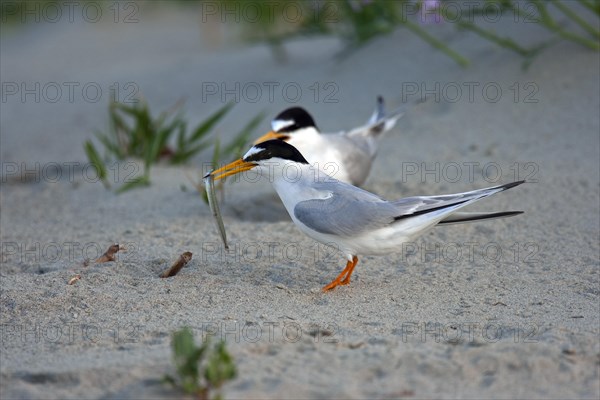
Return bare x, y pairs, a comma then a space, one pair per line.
381, 121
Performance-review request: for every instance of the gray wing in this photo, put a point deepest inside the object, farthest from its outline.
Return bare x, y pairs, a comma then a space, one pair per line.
347, 212
413, 206
351, 211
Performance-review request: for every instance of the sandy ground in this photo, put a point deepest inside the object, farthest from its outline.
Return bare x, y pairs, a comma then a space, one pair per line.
504, 309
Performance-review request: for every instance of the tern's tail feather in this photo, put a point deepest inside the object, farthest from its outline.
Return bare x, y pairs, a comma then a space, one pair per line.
381, 121
445, 207
379, 112
461, 217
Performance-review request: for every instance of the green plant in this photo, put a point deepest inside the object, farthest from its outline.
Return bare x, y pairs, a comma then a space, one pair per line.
359, 21
200, 370
135, 133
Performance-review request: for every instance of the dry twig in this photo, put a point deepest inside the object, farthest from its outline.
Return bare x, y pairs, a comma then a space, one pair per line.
109, 255
177, 266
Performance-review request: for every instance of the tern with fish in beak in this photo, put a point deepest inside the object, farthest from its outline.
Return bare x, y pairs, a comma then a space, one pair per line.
351, 219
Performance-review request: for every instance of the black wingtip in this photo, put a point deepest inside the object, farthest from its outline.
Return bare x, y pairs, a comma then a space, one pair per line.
501, 214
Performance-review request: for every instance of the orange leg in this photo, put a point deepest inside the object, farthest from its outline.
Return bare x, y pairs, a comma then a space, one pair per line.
346, 280
344, 277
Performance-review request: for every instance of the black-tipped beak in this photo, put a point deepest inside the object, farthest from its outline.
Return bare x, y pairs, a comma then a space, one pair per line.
231, 169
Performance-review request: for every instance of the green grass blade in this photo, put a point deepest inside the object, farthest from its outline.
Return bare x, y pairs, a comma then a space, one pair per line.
137, 182
111, 147
160, 140
183, 155
182, 128
438, 44
576, 18
216, 153
591, 5
240, 141
207, 125
97, 161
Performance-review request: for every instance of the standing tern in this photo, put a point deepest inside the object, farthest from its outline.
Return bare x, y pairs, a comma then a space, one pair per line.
347, 156
348, 218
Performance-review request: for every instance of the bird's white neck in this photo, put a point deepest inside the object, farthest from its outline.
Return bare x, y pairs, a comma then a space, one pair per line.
293, 181
305, 136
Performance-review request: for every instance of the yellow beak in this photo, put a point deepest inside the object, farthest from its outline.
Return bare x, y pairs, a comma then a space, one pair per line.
269, 136
232, 168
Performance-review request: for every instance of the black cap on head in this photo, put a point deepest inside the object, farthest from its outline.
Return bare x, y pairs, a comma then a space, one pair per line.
297, 116
275, 149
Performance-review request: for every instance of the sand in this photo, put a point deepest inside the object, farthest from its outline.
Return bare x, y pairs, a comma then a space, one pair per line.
503, 309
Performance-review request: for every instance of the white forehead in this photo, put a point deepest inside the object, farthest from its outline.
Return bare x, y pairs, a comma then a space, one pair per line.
252, 151
278, 124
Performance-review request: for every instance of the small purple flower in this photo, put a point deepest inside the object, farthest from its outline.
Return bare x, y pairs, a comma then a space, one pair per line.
429, 11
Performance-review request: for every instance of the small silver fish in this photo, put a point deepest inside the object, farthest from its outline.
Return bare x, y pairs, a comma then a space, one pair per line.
209, 184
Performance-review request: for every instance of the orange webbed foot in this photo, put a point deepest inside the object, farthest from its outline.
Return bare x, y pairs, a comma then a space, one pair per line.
344, 277
335, 283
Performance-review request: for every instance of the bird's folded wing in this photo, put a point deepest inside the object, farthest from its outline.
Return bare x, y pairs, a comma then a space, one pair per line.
348, 211
351, 211
412, 206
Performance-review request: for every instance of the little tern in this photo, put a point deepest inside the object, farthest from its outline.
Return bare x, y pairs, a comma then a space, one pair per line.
347, 156
352, 220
